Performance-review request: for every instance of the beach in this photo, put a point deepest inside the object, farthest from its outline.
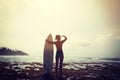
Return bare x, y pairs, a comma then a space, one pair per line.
71, 71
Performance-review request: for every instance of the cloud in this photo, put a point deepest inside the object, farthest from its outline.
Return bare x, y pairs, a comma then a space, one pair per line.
117, 37
108, 36
105, 36
84, 44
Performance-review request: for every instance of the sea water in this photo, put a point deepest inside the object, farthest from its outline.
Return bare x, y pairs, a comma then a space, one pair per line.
66, 59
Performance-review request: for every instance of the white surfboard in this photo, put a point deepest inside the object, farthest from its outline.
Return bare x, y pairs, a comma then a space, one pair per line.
48, 55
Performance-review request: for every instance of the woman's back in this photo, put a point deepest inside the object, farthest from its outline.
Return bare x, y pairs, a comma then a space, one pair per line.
59, 45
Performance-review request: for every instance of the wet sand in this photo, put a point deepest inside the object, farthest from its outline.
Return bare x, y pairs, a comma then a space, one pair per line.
71, 71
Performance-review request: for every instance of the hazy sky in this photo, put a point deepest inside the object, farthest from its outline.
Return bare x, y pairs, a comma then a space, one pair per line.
92, 26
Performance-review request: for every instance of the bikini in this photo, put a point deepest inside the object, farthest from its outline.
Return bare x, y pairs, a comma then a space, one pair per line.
59, 54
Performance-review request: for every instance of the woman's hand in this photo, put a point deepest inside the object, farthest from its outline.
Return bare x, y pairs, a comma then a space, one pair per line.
46, 40
64, 36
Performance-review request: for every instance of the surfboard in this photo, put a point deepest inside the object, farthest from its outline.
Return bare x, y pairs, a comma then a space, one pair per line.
48, 55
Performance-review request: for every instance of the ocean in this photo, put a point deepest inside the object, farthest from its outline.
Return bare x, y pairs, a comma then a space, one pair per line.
66, 59
75, 68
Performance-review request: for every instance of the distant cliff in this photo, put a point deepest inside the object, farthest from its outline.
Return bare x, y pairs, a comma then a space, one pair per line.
7, 51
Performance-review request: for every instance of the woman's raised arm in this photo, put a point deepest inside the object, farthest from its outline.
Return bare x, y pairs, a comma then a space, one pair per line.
64, 39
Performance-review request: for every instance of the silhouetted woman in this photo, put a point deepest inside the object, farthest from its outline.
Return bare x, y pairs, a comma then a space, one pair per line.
59, 52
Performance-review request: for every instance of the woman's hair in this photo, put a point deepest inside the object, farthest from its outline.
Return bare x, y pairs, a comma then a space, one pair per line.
57, 37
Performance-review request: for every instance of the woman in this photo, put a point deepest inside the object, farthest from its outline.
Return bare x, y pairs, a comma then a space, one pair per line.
59, 52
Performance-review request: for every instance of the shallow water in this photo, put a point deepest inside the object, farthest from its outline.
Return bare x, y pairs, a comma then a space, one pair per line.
66, 59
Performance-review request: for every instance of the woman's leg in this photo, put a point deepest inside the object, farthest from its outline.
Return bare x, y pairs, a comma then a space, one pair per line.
56, 66
61, 62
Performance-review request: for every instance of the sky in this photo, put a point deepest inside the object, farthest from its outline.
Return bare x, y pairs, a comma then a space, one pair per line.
91, 26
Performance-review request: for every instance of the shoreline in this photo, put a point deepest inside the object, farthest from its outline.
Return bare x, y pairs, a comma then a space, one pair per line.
71, 71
